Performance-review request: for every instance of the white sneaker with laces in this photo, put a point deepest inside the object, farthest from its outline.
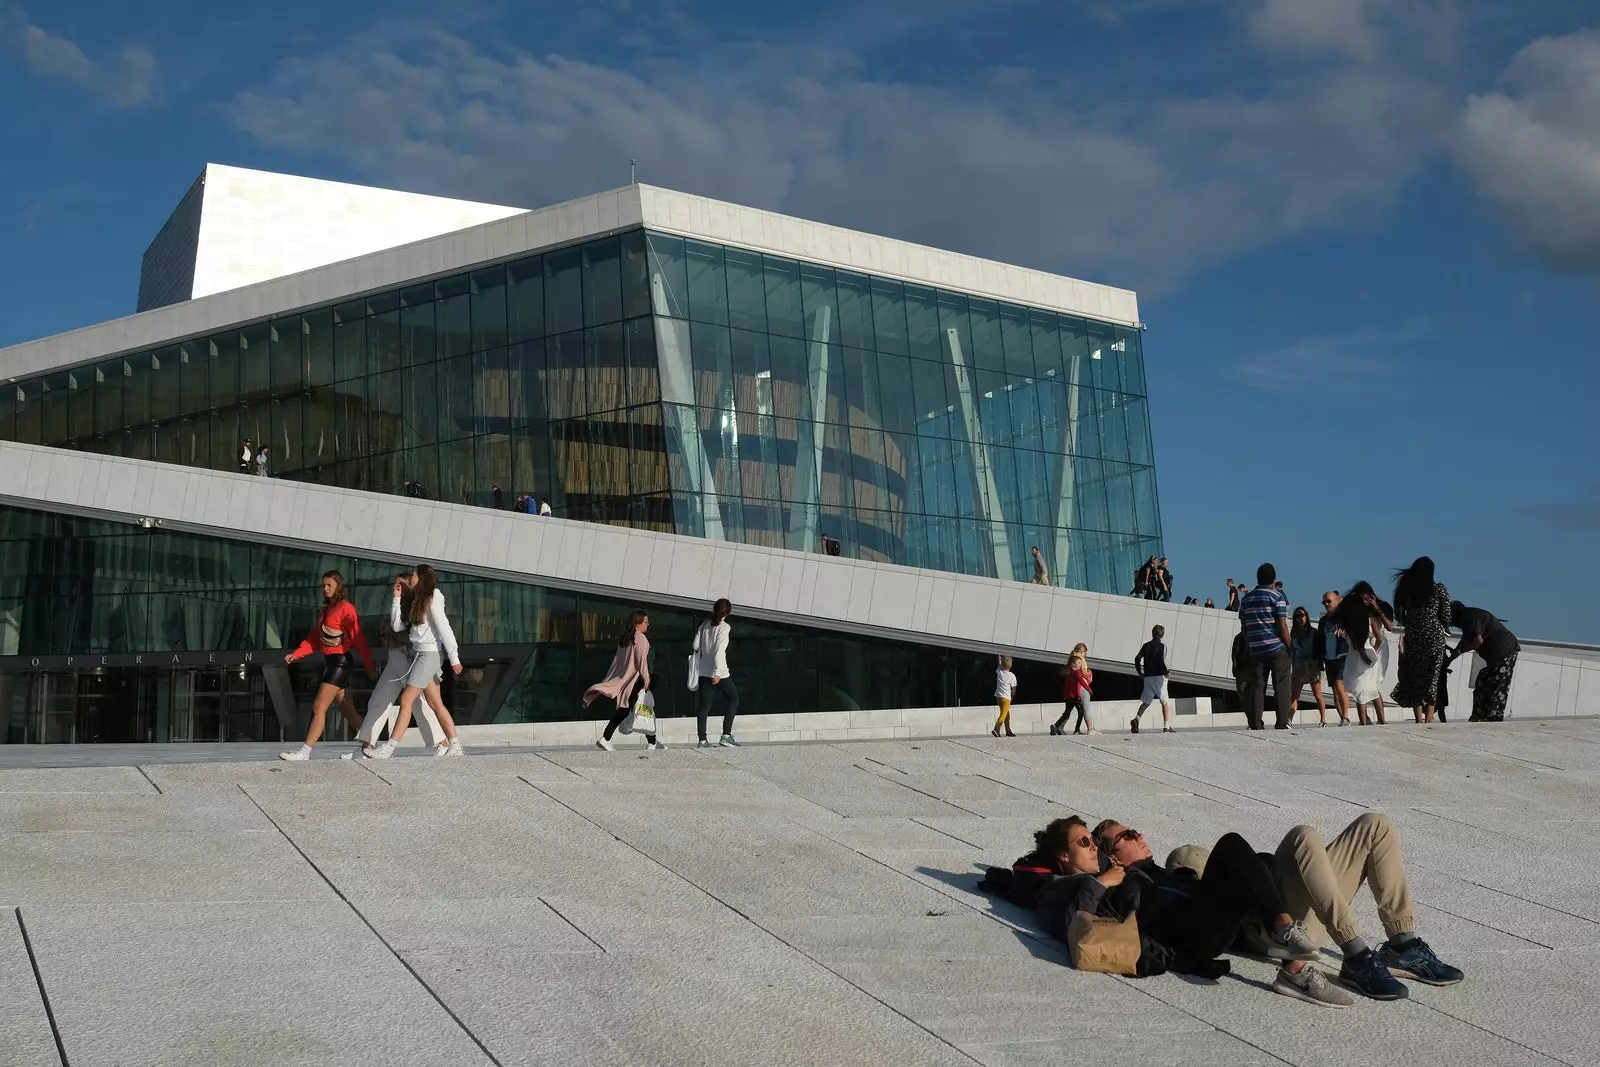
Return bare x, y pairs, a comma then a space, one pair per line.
603, 743
441, 750
301, 753
455, 748
383, 751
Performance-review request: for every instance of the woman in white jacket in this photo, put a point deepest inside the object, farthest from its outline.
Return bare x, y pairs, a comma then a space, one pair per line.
384, 706
422, 613
710, 669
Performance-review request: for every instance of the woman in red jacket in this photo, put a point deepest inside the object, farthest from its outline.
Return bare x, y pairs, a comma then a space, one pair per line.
1076, 692
337, 632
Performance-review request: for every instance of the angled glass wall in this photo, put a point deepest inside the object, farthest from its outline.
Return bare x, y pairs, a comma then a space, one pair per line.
652, 381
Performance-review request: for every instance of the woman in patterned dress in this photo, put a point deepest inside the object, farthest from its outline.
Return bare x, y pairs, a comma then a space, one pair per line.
1422, 606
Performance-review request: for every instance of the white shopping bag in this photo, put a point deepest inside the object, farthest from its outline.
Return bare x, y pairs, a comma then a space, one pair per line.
642, 720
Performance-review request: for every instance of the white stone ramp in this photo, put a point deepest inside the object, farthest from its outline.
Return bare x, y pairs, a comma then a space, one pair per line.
799, 904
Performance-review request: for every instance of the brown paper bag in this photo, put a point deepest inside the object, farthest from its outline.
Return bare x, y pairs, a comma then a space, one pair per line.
1104, 945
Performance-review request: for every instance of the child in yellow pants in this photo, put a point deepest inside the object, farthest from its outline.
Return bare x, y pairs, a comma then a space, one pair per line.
1005, 683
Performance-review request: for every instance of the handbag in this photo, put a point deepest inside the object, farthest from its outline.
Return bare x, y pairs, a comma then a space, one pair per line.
642, 720
1105, 946
694, 661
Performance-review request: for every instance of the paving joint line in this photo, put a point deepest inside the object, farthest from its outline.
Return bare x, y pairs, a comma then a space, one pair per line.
44, 995
152, 781
375, 932
569, 922
770, 933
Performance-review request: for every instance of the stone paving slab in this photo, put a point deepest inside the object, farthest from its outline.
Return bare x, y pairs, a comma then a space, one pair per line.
794, 904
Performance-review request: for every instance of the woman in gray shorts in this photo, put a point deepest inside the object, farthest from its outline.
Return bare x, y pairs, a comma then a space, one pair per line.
420, 611
384, 705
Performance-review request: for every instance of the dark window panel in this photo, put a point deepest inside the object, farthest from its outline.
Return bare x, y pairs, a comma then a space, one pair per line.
385, 407
889, 316
349, 420
563, 291
418, 333
923, 335
136, 390
855, 310
602, 281
255, 364
455, 382
383, 342
194, 376
525, 299
708, 286
782, 278
288, 356
987, 349
420, 394
819, 303
55, 396
81, 396
644, 376
563, 375
526, 365
349, 348
1017, 340
488, 309
223, 369
316, 331
635, 275
606, 368
165, 387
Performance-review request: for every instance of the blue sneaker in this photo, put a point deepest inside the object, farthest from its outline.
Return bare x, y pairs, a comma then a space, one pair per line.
1416, 960
1365, 973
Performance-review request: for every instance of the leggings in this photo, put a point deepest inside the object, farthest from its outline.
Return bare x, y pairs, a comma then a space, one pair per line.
1004, 719
1082, 706
624, 708
729, 695
1237, 885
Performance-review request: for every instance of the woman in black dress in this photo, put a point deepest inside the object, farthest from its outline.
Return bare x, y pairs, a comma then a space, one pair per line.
1422, 606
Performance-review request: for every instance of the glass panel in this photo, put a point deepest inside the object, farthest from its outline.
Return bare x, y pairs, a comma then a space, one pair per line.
747, 303
455, 383
928, 396
783, 296
453, 317
136, 389
288, 373
922, 324
1018, 341
1137, 417
386, 412
712, 354
669, 280
889, 315
1103, 357
488, 309
255, 365
644, 380
861, 387
497, 405
1045, 343
635, 275
316, 333
563, 290
752, 373
563, 376
491, 458
349, 421
606, 368
383, 342
899, 407
419, 397
527, 370
819, 302
108, 382
320, 415
953, 316
708, 289
56, 396
525, 299
855, 310
349, 347
791, 378
418, 330
602, 281
80, 401
165, 387
457, 480
987, 351
1132, 342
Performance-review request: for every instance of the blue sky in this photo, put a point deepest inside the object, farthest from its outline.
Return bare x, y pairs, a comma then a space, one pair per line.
1366, 235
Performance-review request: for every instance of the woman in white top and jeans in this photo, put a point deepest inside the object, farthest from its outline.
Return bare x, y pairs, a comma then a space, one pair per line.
429, 631
711, 668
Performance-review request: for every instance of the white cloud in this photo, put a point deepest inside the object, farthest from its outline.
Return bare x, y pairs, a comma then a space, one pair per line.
1339, 27
1533, 149
124, 80
1331, 365
1138, 193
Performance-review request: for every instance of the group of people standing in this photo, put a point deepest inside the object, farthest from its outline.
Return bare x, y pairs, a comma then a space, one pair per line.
1350, 646
253, 460
417, 634
1153, 580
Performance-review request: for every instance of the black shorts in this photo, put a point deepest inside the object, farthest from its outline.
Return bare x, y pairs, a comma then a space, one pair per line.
1335, 669
336, 669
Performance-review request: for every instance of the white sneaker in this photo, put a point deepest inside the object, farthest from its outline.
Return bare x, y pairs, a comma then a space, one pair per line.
301, 753
383, 751
603, 743
455, 748
657, 745
441, 750
1311, 986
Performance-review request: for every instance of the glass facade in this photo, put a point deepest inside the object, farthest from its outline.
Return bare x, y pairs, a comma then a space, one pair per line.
109, 632
653, 381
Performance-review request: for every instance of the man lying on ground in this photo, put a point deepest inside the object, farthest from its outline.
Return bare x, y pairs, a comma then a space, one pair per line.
1320, 880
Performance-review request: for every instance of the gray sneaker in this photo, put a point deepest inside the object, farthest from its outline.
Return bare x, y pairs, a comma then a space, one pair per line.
1291, 943
1311, 986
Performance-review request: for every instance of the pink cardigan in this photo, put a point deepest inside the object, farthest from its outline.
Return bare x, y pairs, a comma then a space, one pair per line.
628, 666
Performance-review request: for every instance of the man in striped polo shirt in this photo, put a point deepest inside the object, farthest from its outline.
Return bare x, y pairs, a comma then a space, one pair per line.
1264, 618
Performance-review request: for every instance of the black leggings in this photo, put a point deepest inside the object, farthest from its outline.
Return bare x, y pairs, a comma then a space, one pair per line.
730, 703
1237, 884
624, 708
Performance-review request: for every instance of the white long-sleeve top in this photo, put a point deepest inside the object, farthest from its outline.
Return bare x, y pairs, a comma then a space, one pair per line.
711, 650
430, 633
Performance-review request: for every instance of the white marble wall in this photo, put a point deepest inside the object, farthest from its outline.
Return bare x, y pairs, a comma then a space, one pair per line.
901, 603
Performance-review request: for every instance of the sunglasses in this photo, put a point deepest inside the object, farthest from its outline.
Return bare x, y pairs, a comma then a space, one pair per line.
1084, 842
1125, 835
